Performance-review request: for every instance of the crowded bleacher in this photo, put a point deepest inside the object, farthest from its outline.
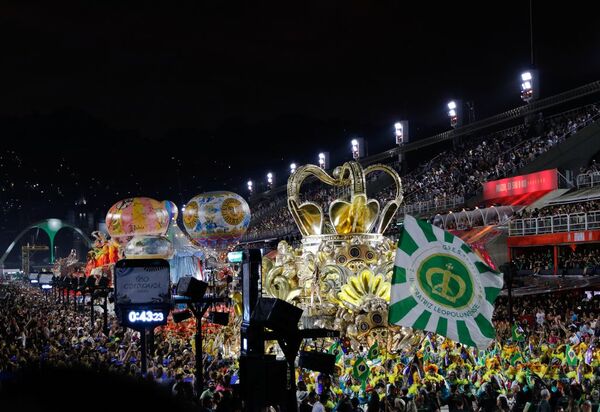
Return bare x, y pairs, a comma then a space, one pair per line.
445, 181
584, 260
40, 333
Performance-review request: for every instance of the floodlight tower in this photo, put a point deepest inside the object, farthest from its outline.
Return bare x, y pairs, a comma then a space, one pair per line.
270, 180
250, 186
529, 86
324, 160
455, 113
292, 168
357, 146
401, 134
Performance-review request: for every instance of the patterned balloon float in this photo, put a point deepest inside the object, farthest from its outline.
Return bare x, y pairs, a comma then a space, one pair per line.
138, 216
171, 209
216, 219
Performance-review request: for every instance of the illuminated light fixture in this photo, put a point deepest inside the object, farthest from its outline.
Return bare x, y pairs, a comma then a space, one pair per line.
270, 180
293, 168
453, 109
528, 91
46, 286
250, 186
355, 146
323, 160
399, 132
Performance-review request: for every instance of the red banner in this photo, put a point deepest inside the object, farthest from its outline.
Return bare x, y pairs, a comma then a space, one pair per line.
543, 181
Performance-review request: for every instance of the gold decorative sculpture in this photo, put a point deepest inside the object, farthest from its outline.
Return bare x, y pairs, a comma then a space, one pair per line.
341, 274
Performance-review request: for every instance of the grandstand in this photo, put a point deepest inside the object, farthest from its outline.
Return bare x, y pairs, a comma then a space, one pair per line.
542, 228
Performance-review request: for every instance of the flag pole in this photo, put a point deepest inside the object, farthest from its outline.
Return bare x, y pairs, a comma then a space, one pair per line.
387, 349
415, 355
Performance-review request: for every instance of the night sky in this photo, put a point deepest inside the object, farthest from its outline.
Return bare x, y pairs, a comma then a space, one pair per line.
105, 100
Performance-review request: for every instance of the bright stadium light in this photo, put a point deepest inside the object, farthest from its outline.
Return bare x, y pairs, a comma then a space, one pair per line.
399, 132
454, 113
292, 168
355, 144
401, 135
250, 186
528, 91
322, 160
270, 180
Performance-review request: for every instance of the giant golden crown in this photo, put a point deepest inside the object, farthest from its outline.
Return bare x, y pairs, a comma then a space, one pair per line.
357, 215
341, 273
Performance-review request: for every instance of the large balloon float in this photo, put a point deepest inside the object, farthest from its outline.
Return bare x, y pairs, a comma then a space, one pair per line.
140, 223
216, 220
172, 210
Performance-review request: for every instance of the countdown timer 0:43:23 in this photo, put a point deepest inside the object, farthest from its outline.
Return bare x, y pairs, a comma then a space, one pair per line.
145, 316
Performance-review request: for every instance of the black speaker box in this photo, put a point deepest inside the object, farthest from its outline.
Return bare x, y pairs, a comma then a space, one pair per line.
263, 380
277, 314
317, 361
191, 288
219, 318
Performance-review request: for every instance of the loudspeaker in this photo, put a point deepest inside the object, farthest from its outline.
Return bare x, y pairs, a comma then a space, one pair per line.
251, 281
181, 315
218, 318
317, 361
277, 314
191, 288
263, 381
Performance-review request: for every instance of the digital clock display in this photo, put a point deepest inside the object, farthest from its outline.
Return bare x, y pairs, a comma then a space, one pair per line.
145, 316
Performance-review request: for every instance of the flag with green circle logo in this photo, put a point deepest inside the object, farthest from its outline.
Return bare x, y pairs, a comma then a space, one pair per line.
570, 356
516, 357
440, 285
361, 371
336, 349
373, 351
517, 333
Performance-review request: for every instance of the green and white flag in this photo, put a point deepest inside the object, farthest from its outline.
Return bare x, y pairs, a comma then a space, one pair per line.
570, 356
440, 285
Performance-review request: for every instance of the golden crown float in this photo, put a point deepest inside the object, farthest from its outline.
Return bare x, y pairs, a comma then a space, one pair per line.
341, 273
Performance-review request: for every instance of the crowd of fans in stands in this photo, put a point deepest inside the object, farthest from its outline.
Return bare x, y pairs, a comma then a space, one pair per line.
592, 168
561, 209
584, 258
561, 316
445, 179
462, 170
40, 332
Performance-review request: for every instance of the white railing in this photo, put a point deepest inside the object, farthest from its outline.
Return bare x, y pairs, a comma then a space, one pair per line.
588, 179
574, 222
432, 205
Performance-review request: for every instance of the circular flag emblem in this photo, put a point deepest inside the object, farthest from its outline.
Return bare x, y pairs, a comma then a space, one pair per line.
443, 280
440, 285
446, 280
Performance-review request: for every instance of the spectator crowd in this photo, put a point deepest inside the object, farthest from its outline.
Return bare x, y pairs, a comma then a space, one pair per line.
426, 376
560, 209
583, 260
445, 181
